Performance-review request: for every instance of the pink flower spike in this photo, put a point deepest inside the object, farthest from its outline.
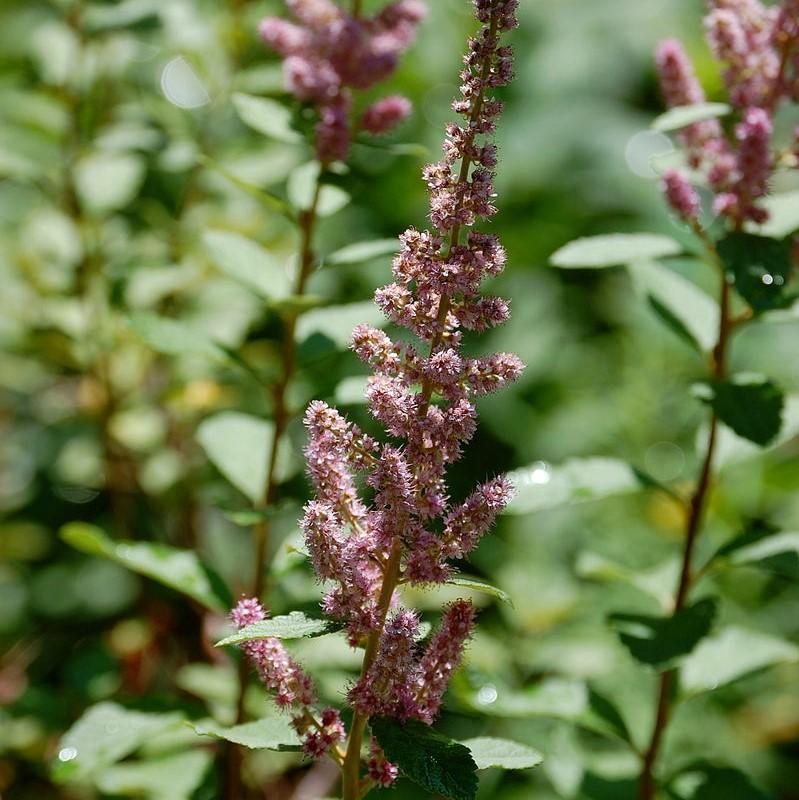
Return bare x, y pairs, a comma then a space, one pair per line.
384, 115
681, 195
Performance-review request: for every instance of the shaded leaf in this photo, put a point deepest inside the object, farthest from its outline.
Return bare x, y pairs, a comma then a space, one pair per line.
613, 250
270, 733
106, 733
477, 585
248, 263
730, 654
295, 625
602, 714
658, 641
540, 486
759, 268
682, 116
181, 570
752, 409
173, 777
428, 758
173, 338
716, 783
266, 116
490, 752
777, 553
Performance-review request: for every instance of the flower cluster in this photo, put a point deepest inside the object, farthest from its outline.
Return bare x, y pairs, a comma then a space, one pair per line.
328, 53
758, 46
423, 394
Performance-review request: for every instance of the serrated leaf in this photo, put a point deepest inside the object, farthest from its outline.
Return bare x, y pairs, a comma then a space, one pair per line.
477, 585
682, 116
488, 752
107, 182
172, 777
683, 306
363, 251
238, 445
752, 410
105, 734
248, 263
759, 267
181, 570
428, 758
173, 338
730, 654
659, 641
270, 733
266, 116
337, 322
295, 625
613, 250
540, 486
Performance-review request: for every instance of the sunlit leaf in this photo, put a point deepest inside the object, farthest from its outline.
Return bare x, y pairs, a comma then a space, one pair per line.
266, 116
295, 625
363, 251
270, 733
302, 188
181, 570
614, 249
490, 752
108, 182
682, 116
477, 585
783, 215
711, 782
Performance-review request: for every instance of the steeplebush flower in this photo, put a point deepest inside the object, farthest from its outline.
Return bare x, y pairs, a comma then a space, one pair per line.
423, 394
328, 53
757, 48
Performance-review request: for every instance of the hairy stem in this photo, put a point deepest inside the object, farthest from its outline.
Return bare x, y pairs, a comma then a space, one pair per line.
647, 785
281, 419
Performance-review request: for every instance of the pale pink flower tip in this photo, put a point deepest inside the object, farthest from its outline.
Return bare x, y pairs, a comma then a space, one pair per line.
681, 195
384, 115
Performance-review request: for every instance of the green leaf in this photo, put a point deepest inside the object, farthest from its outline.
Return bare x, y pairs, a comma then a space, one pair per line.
107, 182
603, 716
248, 263
683, 116
778, 553
489, 752
433, 761
659, 641
295, 625
759, 267
730, 654
173, 338
715, 783
540, 486
613, 250
270, 733
265, 116
683, 306
105, 734
181, 570
302, 188
172, 777
337, 322
783, 215
477, 585
238, 445
752, 409
363, 251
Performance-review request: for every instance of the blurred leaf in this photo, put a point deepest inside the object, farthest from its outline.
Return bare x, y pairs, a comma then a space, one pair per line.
337, 322
753, 409
302, 186
577, 480
602, 715
717, 783
660, 640
614, 249
238, 445
181, 570
56, 50
683, 116
124, 14
759, 268
477, 585
248, 263
778, 553
266, 116
363, 251
428, 758
295, 625
730, 654
783, 215
172, 777
108, 182
173, 338
559, 698
270, 733
683, 306
105, 734
489, 752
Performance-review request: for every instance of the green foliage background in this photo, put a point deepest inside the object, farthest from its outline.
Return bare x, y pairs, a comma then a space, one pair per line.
604, 379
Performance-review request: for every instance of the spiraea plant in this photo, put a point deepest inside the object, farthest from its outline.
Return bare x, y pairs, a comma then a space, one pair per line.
733, 155
410, 530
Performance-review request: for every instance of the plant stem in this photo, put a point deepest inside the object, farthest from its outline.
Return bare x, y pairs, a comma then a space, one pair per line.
647, 785
282, 417
357, 6
352, 761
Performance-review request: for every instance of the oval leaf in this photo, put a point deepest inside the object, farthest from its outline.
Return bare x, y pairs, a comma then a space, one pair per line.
295, 625
363, 251
477, 585
613, 250
270, 733
489, 752
265, 116
683, 116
